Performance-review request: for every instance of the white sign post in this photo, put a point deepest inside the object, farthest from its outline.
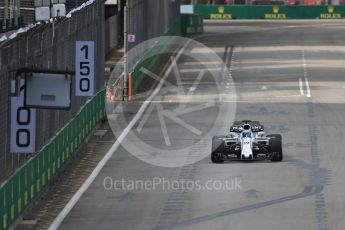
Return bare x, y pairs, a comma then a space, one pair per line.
85, 68
23, 123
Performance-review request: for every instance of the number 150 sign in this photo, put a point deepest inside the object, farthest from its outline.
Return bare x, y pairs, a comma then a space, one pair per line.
85, 68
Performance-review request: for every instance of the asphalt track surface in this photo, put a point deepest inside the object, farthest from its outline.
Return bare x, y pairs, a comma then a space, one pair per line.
290, 76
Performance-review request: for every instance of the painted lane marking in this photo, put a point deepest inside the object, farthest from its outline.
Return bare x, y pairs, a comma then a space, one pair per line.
305, 73
301, 86
308, 88
294, 95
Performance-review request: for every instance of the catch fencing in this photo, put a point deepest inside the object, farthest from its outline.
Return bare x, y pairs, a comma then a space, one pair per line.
29, 181
47, 46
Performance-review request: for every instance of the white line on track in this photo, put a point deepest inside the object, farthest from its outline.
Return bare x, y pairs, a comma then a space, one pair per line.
305, 74
228, 59
301, 87
308, 88
72, 202
295, 95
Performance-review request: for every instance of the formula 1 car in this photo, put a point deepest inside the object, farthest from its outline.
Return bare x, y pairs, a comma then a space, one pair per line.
247, 141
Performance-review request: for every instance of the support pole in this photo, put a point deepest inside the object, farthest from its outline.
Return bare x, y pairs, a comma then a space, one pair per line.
129, 86
125, 56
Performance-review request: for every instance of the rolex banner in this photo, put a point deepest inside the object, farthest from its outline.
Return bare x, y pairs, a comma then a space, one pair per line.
227, 12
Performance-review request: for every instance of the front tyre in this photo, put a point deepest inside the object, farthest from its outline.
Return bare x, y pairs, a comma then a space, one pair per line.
217, 149
276, 149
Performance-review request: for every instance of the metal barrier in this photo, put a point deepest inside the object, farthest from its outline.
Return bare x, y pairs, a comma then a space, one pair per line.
226, 12
48, 46
33, 177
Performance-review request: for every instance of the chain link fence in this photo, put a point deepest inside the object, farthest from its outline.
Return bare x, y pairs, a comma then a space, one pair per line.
48, 46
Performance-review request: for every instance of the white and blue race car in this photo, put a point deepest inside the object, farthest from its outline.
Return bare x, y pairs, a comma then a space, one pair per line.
247, 141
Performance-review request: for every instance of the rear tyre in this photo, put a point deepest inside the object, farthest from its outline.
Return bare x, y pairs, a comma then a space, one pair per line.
276, 149
217, 149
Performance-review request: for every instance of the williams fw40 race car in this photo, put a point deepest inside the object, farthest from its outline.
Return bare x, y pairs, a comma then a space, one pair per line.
247, 141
